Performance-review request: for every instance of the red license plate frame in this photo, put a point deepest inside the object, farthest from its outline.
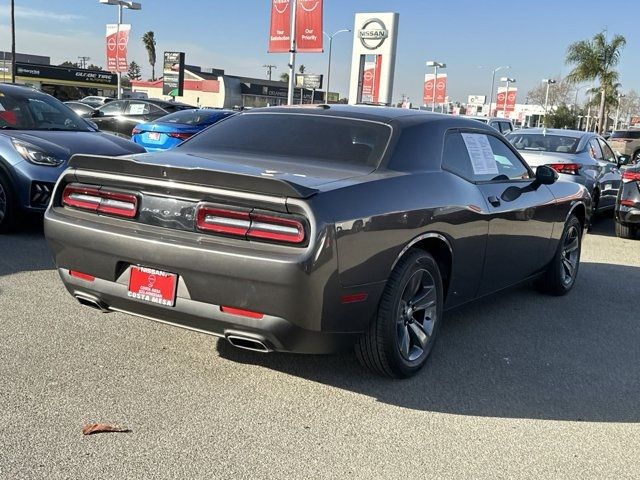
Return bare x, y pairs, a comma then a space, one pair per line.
150, 285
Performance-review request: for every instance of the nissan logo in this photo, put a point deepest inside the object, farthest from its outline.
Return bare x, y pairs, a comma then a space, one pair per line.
373, 34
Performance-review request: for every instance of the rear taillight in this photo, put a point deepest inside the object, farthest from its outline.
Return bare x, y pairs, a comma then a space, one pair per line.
179, 135
630, 176
566, 168
98, 200
241, 312
136, 131
82, 276
249, 224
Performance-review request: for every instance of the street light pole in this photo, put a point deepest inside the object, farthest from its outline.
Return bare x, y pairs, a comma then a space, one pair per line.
615, 125
292, 56
121, 4
435, 65
548, 81
493, 82
330, 37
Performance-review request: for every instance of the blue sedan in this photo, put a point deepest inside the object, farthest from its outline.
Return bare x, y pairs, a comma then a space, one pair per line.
38, 135
173, 129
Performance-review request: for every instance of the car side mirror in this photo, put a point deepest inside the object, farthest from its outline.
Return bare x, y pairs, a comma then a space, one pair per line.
96, 113
545, 175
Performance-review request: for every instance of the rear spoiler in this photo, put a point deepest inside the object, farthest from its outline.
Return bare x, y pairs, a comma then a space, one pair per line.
198, 176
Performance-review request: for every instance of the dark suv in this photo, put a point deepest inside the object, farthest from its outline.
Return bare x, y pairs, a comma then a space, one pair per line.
121, 116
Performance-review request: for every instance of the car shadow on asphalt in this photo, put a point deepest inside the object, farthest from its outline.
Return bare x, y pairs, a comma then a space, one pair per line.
24, 248
518, 354
603, 225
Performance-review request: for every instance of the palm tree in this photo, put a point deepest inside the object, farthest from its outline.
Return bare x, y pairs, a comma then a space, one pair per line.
596, 59
302, 69
149, 41
284, 77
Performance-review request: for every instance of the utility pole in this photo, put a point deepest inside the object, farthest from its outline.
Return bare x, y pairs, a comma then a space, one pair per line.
83, 61
13, 41
269, 68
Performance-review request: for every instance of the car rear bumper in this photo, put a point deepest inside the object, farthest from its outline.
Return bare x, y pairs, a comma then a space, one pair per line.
298, 293
628, 215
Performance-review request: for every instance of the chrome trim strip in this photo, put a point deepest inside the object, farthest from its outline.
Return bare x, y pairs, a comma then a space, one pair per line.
418, 239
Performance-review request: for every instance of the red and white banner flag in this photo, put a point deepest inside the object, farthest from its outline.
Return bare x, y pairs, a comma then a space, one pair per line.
510, 99
279, 33
441, 88
309, 15
371, 80
117, 40
309, 37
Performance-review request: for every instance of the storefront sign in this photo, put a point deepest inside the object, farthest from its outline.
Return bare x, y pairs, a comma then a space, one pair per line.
173, 74
309, 38
373, 33
310, 81
117, 40
49, 72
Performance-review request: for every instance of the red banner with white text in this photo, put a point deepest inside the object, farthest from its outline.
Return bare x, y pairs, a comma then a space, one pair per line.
510, 99
441, 88
309, 26
309, 15
117, 40
279, 33
371, 81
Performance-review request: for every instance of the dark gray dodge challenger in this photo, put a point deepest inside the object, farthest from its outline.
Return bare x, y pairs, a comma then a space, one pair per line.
313, 229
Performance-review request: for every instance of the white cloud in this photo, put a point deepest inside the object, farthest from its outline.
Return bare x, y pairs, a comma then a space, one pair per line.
31, 13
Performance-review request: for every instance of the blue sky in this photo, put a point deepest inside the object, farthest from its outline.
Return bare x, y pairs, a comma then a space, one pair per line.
471, 36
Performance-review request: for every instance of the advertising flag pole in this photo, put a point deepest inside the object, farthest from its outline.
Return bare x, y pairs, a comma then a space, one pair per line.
292, 53
118, 51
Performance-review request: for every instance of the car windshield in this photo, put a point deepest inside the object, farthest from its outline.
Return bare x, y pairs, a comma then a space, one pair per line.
539, 142
635, 134
194, 117
38, 112
302, 137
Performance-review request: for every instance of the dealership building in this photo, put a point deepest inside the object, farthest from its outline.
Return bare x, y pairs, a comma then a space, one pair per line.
65, 83
211, 87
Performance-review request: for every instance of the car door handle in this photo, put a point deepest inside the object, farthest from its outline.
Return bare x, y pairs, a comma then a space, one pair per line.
493, 200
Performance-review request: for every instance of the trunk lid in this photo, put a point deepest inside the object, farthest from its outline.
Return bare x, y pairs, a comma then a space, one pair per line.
535, 159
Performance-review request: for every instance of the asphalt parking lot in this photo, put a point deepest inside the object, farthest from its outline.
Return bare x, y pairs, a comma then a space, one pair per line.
519, 386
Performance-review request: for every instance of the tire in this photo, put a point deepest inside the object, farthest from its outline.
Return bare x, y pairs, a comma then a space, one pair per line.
401, 337
636, 157
562, 272
8, 205
624, 231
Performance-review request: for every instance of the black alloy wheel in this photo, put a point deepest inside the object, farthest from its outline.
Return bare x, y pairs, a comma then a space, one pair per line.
7, 205
401, 337
561, 274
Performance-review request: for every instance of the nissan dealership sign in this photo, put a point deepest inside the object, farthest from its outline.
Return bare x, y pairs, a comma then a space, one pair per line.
374, 58
373, 34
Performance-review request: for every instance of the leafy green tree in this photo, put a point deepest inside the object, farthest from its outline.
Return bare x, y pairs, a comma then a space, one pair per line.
149, 41
134, 72
69, 64
284, 77
561, 117
596, 59
93, 66
302, 69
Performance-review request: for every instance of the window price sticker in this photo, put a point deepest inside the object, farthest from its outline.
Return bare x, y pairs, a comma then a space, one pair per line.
481, 154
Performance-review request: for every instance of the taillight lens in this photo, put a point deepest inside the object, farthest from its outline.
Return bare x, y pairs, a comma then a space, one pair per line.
630, 176
249, 224
97, 200
180, 135
136, 131
566, 168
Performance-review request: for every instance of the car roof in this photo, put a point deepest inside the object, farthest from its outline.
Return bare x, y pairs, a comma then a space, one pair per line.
374, 113
556, 131
488, 119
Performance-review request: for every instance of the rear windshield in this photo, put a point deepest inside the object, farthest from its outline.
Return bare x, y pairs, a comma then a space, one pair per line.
626, 134
300, 136
544, 143
194, 117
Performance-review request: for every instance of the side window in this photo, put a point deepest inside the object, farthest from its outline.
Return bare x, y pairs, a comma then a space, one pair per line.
137, 108
608, 154
505, 127
155, 110
112, 108
495, 125
478, 157
594, 149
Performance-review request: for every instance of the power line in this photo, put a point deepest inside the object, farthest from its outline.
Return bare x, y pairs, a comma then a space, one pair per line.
83, 61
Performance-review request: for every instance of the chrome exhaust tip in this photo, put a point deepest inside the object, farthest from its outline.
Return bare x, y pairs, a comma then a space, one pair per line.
248, 343
91, 302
